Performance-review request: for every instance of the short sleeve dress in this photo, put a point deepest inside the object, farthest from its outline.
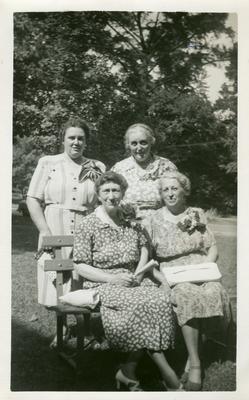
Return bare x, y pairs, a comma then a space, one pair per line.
66, 200
142, 192
173, 246
134, 318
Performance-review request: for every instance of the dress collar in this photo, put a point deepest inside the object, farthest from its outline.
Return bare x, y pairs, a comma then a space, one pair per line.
104, 220
69, 159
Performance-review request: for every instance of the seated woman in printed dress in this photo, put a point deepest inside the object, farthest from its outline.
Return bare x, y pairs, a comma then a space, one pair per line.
142, 170
180, 236
136, 314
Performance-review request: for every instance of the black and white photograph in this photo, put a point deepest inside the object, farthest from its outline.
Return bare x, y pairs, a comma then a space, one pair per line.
124, 201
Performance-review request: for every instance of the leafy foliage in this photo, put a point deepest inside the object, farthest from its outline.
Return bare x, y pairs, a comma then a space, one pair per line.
118, 68
226, 112
27, 150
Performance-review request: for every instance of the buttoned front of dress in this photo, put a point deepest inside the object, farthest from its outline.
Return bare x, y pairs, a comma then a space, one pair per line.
55, 182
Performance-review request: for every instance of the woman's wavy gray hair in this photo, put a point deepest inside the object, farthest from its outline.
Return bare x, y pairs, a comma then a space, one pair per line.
111, 176
183, 180
147, 130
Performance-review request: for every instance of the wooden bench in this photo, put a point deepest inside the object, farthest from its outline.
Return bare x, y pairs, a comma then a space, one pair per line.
82, 315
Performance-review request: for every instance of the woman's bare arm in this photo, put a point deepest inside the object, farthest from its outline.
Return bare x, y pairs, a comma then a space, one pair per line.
212, 254
37, 215
97, 275
144, 256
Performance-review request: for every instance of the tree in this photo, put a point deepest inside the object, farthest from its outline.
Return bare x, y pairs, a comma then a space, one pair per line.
226, 113
28, 149
117, 68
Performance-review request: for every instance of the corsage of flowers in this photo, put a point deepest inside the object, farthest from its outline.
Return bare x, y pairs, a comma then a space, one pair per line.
191, 222
128, 213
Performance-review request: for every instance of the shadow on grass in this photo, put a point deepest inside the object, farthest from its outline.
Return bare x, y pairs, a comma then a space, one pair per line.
34, 367
24, 234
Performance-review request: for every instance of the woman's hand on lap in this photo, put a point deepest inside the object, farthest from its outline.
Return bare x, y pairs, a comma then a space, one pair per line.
122, 279
165, 286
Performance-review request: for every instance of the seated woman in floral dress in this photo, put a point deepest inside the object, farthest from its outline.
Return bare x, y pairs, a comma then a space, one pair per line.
136, 314
180, 236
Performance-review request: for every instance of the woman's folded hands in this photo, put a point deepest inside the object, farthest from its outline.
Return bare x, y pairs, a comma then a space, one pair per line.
124, 279
165, 286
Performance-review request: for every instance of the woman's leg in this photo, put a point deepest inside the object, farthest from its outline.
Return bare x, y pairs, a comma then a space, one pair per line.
168, 374
190, 333
129, 368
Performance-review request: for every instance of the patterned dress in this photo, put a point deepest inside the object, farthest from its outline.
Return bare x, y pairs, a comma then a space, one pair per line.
133, 317
55, 182
173, 247
142, 190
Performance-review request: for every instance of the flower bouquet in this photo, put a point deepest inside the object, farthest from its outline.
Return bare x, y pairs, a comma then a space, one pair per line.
191, 222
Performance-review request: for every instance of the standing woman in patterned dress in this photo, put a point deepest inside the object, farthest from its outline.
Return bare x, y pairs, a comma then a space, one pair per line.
142, 170
64, 184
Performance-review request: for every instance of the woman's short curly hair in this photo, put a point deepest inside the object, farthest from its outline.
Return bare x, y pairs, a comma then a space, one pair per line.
75, 122
183, 180
111, 176
147, 130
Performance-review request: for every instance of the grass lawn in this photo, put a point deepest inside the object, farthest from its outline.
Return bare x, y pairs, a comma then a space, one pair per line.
34, 367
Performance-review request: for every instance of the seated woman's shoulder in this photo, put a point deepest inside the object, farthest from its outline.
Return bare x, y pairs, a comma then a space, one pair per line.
88, 222
154, 217
200, 212
196, 209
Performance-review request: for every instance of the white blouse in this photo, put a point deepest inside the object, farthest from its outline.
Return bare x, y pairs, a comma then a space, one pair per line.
56, 181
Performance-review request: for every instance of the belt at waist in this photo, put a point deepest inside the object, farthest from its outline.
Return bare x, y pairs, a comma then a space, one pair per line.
69, 207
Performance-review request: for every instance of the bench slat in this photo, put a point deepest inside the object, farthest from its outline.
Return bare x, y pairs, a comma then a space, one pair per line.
68, 309
58, 265
57, 241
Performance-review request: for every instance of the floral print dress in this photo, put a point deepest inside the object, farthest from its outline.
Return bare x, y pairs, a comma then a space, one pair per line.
133, 318
177, 244
143, 191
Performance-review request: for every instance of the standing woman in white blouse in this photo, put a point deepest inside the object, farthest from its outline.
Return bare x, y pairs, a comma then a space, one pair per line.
61, 192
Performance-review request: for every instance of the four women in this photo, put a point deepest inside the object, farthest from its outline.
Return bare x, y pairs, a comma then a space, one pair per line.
137, 315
